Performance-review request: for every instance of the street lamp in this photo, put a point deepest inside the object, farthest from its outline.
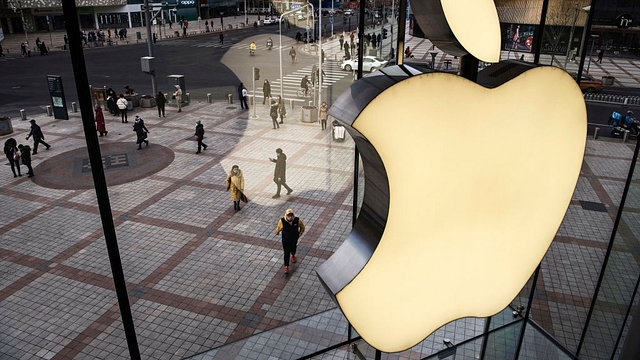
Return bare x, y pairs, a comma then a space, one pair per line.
280, 31
593, 40
24, 25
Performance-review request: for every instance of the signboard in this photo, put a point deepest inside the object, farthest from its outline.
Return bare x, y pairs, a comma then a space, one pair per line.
56, 93
624, 21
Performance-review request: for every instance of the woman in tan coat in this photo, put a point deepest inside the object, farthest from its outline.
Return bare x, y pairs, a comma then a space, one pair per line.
324, 114
235, 186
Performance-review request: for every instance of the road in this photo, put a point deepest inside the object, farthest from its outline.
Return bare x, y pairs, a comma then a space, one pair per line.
208, 67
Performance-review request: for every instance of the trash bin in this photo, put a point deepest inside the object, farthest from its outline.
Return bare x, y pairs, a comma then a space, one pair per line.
338, 131
129, 104
608, 80
309, 114
5, 126
138, 35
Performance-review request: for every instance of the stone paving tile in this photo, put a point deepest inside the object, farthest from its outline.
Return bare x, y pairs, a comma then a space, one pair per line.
609, 149
15, 209
572, 269
607, 167
586, 224
45, 315
10, 272
584, 191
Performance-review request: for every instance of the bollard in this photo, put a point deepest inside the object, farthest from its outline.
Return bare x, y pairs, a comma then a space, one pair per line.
23, 114
188, 97
596, 133
310, 103
230, 98
209, 98
251, 99
625, 136
626, 100
291, 103
49, 110
74, 107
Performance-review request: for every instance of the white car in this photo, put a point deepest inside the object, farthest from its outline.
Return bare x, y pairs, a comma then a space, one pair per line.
369, 64
348, 12
270, 20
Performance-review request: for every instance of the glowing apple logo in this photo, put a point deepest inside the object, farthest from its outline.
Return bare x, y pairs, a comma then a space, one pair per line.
465, 188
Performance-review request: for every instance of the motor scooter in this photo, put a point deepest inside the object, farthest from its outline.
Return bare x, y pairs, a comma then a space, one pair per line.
620, 125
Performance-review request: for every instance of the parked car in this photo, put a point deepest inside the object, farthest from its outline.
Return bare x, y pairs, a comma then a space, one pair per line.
589, 84
348, 12
369, 64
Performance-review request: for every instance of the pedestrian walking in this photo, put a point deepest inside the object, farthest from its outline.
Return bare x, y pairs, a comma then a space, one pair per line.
24, 50
282, 109
13, 155
141, 132
292, 228
323, 114
243, 94
273, 112
123, 104
235, 186
161, 100
199, 136
341, 41
347, 54
101, 127
293, 55
221, 38
38, 136
600, 56
266, 91
178, 96
25, 155
280, 172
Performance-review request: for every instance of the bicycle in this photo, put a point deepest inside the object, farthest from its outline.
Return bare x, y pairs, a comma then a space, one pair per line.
301, 92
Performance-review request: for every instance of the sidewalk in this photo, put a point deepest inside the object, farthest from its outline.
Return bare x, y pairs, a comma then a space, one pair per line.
55, 40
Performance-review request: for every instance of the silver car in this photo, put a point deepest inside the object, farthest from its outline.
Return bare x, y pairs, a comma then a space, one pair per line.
369, 64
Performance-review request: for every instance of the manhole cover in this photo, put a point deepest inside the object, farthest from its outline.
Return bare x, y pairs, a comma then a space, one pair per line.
121, 161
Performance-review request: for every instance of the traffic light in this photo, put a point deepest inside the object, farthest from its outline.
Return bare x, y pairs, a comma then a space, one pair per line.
384, 33
256, 74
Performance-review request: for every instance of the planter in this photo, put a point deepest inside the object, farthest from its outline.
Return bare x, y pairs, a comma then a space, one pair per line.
147, 102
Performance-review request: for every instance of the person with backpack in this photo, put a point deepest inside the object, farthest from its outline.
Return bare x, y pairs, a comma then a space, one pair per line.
292, 228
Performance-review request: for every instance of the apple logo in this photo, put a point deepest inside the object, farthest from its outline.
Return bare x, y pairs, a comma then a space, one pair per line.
465, 188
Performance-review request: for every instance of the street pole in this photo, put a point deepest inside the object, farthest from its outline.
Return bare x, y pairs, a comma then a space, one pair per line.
593, 40
320, 54
332, 16
154, 87
282, 17
253, 81
246, 21
570, 43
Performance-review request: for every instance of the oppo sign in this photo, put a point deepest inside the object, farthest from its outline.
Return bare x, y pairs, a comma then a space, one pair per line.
187, 3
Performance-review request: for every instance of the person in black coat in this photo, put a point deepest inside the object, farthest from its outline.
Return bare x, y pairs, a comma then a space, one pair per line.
280, 172
274, 114
199, 136
25, 153
161, 100
141, 132
38, 136
11, 151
